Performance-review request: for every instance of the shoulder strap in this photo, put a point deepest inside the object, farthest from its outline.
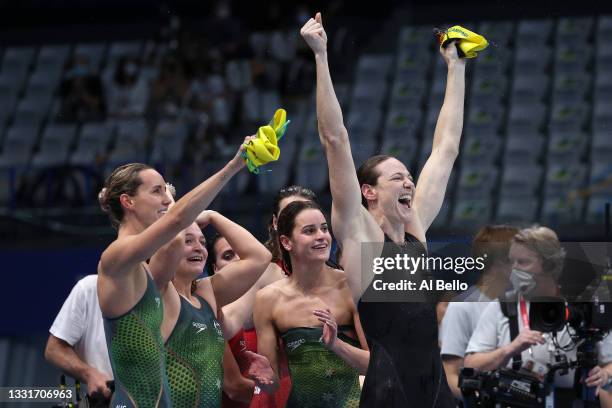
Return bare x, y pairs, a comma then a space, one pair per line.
508, 308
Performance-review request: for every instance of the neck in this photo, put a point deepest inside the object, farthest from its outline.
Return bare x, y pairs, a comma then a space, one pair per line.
307, 275
182, 283
130, 226
394, 229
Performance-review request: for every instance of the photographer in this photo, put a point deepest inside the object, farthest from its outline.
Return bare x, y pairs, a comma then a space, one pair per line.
499, 340
537, 260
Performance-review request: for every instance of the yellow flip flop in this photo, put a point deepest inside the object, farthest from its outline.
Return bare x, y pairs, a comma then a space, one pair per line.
468, 43
264, 149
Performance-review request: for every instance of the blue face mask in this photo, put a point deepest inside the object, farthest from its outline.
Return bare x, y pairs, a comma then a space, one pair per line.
522, 282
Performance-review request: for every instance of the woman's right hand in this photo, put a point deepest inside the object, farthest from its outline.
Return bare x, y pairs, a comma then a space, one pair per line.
238, 159
261, 371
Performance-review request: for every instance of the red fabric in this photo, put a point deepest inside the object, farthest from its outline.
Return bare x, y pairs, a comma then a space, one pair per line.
280, 397
247, 340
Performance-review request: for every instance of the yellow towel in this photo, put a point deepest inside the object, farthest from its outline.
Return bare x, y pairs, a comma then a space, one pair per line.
469, 43
264, 148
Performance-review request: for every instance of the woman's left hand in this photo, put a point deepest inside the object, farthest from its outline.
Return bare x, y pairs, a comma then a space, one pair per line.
330, 327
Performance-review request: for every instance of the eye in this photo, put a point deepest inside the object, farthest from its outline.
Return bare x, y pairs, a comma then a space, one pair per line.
188, 241
324, 228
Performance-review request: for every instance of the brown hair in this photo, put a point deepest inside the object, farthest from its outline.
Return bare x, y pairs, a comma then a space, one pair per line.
272, 243
286, 223
493, 241
367, 173
123, 180
544, 242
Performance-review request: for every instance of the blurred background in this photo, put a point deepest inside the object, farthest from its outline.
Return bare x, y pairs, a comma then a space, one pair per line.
86, 86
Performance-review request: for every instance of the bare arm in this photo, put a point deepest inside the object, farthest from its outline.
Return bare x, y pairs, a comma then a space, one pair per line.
237, 387
433, 179
452, 366
492, 360
346, 193
238, 277
62, 355
353, 356
351, 222
239, 314
165, 261
124, 253
266, 379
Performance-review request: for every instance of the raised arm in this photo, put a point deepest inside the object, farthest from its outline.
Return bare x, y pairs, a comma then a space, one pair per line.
346, 194
127, 251
235, 279
433, 179
239, 314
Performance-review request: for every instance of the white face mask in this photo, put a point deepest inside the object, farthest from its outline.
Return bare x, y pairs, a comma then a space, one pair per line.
523, 282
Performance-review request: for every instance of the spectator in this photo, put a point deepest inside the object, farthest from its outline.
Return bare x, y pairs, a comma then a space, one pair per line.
77, 345
128, 92
169, 89
81, 93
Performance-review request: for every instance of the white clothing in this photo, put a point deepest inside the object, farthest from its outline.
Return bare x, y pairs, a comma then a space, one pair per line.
79, 323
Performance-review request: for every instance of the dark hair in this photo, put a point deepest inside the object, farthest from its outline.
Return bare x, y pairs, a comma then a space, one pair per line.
212, 254
286, 223
123, 180
367, 173
272, 243
493, 241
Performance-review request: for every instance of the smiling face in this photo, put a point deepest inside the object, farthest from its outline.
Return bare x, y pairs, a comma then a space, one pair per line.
151, 201
310, 239
224, 254
194, 251
394, 190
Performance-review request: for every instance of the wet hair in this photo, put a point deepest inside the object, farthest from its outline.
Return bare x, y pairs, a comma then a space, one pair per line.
286, 223
272, 243
493, 241
368, 174
212, 254
544, 242
123, 180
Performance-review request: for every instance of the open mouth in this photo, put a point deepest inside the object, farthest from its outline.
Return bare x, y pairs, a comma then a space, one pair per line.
196, 258
320, 247
406, 199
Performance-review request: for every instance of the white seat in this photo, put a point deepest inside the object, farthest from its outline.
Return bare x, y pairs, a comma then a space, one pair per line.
471, 212
558, 210
520, 180
566, 147
561, 177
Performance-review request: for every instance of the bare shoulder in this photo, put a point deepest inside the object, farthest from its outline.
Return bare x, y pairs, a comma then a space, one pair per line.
338, 277
205, 290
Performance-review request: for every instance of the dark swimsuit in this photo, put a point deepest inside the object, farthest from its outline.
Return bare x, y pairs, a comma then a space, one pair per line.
405, 368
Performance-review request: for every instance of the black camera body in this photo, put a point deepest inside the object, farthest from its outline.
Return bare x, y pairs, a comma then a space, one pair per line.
551, 314
507, 387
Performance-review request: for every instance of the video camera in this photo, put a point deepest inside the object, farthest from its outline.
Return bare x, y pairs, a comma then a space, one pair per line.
552, 314
506, 387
